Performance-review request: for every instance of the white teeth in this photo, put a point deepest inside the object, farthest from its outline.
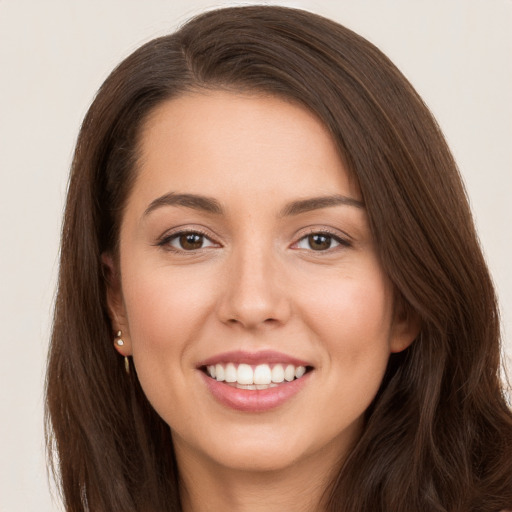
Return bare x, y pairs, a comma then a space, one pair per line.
278, 373
263, 386
245, 386
289, 373
254, 386
300, 371
262, 376
219, 372
245, 374
230, 373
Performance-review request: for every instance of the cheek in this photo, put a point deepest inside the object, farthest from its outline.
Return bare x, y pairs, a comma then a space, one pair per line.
358, 307
165, 312
163, 305
352, 319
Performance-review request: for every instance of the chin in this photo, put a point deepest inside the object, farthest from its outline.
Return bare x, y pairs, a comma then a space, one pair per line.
264, 449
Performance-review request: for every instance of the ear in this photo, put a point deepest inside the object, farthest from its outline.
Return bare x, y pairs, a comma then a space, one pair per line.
406, 327
115, 304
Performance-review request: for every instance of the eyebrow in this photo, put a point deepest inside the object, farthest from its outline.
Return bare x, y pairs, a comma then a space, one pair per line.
194, 201
211, 205
317, 203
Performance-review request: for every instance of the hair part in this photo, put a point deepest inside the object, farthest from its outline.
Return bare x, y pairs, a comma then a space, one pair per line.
438, 436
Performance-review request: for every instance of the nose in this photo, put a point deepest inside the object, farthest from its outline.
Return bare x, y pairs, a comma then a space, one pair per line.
254, 294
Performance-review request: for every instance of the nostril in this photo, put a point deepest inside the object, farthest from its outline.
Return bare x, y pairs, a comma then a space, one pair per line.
248, 324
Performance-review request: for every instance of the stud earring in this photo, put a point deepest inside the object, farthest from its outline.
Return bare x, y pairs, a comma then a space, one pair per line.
119, 341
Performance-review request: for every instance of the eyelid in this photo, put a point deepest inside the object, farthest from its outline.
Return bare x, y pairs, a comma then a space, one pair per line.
343, 239
164, 240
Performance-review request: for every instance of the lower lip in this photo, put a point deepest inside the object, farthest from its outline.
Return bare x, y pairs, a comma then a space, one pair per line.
257, 400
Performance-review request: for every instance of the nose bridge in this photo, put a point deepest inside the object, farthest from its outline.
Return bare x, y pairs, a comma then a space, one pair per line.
253, 294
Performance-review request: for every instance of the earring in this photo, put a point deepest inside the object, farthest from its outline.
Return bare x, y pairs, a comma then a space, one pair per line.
119, 342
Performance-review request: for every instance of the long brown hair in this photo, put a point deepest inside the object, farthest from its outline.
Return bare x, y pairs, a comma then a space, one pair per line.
438, 436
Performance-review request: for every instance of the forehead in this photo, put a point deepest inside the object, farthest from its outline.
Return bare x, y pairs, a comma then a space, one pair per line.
217, 142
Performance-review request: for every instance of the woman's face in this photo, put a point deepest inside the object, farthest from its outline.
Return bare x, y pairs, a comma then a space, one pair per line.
246, 255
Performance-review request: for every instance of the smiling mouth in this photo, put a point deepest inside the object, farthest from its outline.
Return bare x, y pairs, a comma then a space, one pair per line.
255, 377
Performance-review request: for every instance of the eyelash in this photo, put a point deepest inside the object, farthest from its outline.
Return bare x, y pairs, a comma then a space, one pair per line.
342, 242
165, 242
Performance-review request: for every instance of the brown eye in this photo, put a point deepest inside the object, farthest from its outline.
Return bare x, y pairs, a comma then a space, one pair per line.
191, 241
187, 241
319, 242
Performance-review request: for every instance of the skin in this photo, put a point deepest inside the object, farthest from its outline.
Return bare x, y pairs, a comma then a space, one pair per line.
256, 283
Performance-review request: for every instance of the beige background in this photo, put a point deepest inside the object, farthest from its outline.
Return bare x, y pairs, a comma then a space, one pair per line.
55, 54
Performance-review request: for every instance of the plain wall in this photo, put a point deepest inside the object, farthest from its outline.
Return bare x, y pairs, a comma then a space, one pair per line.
55, 54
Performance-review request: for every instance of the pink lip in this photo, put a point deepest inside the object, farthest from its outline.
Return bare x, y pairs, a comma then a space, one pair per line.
259, 400
252, 358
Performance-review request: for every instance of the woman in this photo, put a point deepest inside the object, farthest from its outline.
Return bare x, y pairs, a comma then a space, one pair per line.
271, 293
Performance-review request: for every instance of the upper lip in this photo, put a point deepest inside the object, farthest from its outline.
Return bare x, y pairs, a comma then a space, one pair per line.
253, 358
